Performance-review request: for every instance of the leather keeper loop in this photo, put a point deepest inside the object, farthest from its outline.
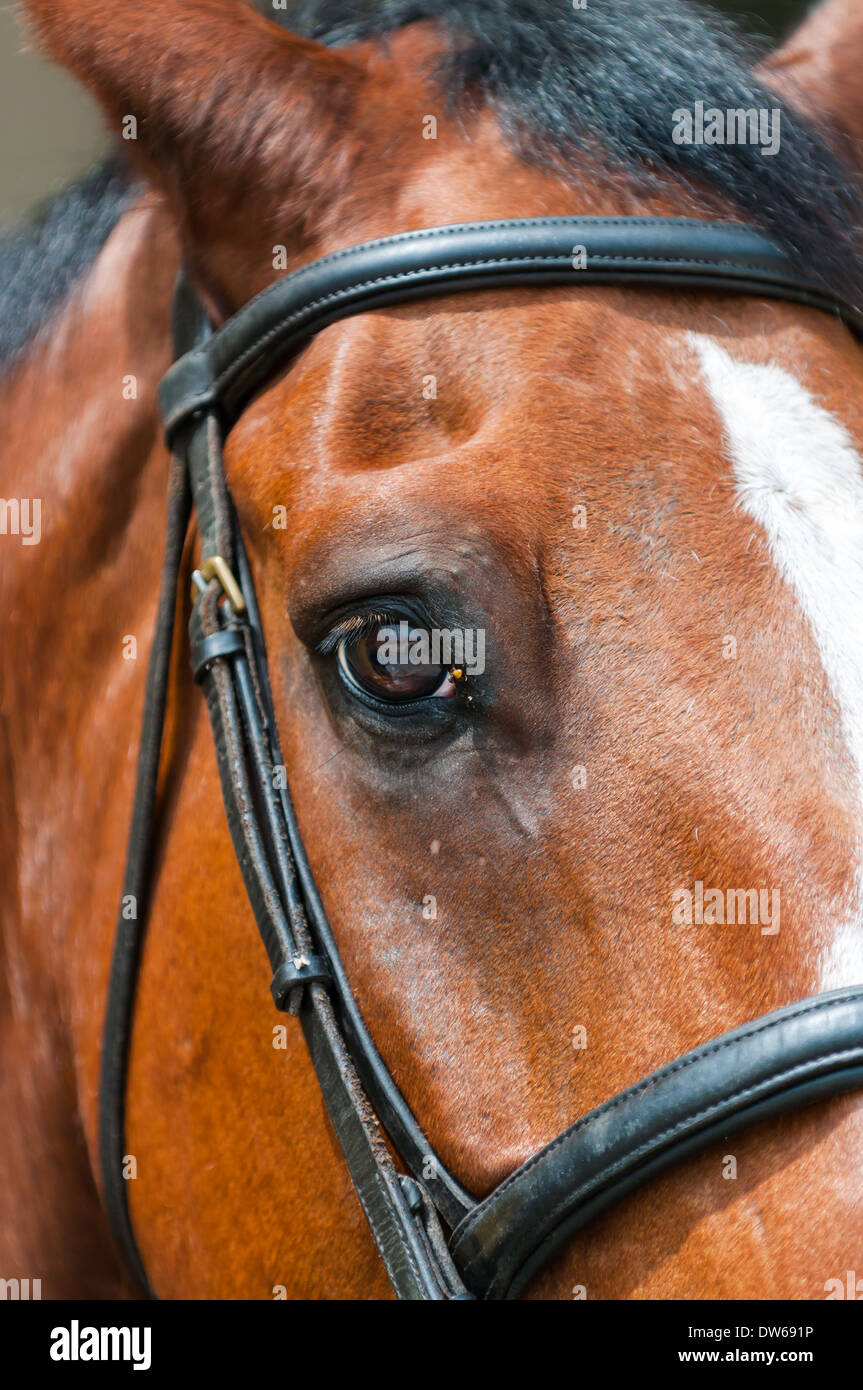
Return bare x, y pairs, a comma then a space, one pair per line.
228, 642
311, 970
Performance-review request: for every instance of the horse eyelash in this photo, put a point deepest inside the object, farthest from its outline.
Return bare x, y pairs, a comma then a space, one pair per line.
354, 627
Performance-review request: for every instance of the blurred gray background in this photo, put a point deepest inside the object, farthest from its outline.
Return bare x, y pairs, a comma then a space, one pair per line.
51, 131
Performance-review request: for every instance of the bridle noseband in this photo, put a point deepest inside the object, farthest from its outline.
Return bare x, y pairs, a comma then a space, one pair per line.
808, 1051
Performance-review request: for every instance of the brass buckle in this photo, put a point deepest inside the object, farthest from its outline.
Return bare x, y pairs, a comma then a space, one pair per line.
217, 568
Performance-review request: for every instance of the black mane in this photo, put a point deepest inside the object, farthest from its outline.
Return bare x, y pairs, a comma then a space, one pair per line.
41, 261
606, 79
563, 83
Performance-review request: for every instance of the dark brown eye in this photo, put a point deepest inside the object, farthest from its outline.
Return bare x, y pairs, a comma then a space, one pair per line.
392, 663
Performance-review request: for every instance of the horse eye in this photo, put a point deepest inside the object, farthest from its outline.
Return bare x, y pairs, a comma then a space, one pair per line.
388, 664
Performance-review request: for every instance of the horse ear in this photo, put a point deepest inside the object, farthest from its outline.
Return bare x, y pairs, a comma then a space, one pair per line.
818, 68
241, 123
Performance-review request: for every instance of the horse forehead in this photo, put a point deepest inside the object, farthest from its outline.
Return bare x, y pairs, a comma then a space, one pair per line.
547, 403
515, 384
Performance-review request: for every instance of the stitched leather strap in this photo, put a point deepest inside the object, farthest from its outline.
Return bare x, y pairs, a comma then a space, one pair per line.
233, 687
647, 251
417, 1262
227, 658
787, 1059
403, 1221
390, 1106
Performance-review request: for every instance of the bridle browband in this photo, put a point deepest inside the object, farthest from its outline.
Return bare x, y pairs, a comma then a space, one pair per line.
802, 1053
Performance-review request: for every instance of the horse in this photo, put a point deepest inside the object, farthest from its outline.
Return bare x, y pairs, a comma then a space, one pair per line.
650, 502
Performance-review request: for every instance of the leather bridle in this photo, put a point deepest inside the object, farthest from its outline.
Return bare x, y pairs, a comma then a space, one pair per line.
805, 1052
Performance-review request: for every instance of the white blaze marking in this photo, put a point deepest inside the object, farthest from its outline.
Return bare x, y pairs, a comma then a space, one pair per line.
799, 475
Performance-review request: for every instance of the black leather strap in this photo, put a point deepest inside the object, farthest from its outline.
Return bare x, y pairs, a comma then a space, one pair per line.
134, 907
232, 682
403, 1221
649, 251
227, 656
449, 1197
787, 1059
